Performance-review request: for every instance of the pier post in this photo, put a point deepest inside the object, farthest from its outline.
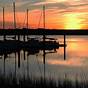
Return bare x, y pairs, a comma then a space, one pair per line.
64, 47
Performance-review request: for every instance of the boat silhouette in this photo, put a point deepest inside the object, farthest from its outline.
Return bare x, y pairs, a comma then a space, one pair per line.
11, 46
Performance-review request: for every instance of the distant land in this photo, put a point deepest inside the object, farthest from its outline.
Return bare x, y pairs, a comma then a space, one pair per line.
42, 31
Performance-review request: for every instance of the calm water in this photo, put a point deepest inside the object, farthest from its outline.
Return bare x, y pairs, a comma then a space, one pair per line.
74, 67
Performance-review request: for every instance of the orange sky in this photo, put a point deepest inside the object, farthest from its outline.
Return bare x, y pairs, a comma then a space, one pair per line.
60, 14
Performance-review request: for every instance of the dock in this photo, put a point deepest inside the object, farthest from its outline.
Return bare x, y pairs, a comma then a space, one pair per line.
63, 32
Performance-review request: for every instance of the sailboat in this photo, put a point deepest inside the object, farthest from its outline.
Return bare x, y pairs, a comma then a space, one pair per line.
45, 43
8, 46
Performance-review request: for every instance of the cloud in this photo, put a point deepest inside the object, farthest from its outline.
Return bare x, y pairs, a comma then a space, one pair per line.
65, 5
21, 5
57, 8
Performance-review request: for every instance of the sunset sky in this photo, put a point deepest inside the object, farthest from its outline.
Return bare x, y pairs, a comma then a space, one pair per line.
60, 14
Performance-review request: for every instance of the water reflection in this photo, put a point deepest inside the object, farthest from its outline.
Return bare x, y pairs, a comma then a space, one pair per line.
23, 56
48, 63
16, 54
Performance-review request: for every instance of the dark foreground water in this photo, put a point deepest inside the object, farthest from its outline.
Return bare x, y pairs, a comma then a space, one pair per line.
32, 65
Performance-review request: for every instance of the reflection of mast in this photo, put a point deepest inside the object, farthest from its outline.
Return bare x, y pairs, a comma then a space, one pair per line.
15, 64
24, 54
27, 67
18, 59
44, 61
4, 63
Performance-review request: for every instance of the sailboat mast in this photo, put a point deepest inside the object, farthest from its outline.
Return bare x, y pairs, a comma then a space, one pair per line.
27, 18
14, 15
44, 16
4, 36
3, 18
44, 22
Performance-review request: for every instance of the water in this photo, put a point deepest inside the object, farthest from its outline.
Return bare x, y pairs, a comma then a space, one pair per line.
74, 67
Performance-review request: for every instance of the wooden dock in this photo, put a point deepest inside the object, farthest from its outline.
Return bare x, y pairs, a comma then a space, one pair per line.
42, 32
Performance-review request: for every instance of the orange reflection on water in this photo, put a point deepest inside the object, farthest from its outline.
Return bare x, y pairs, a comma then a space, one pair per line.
69, 62
76, 53
79, 48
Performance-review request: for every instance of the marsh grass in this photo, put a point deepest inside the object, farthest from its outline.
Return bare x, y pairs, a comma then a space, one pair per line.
12, 82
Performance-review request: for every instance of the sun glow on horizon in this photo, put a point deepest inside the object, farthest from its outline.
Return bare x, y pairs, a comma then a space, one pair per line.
73, 21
